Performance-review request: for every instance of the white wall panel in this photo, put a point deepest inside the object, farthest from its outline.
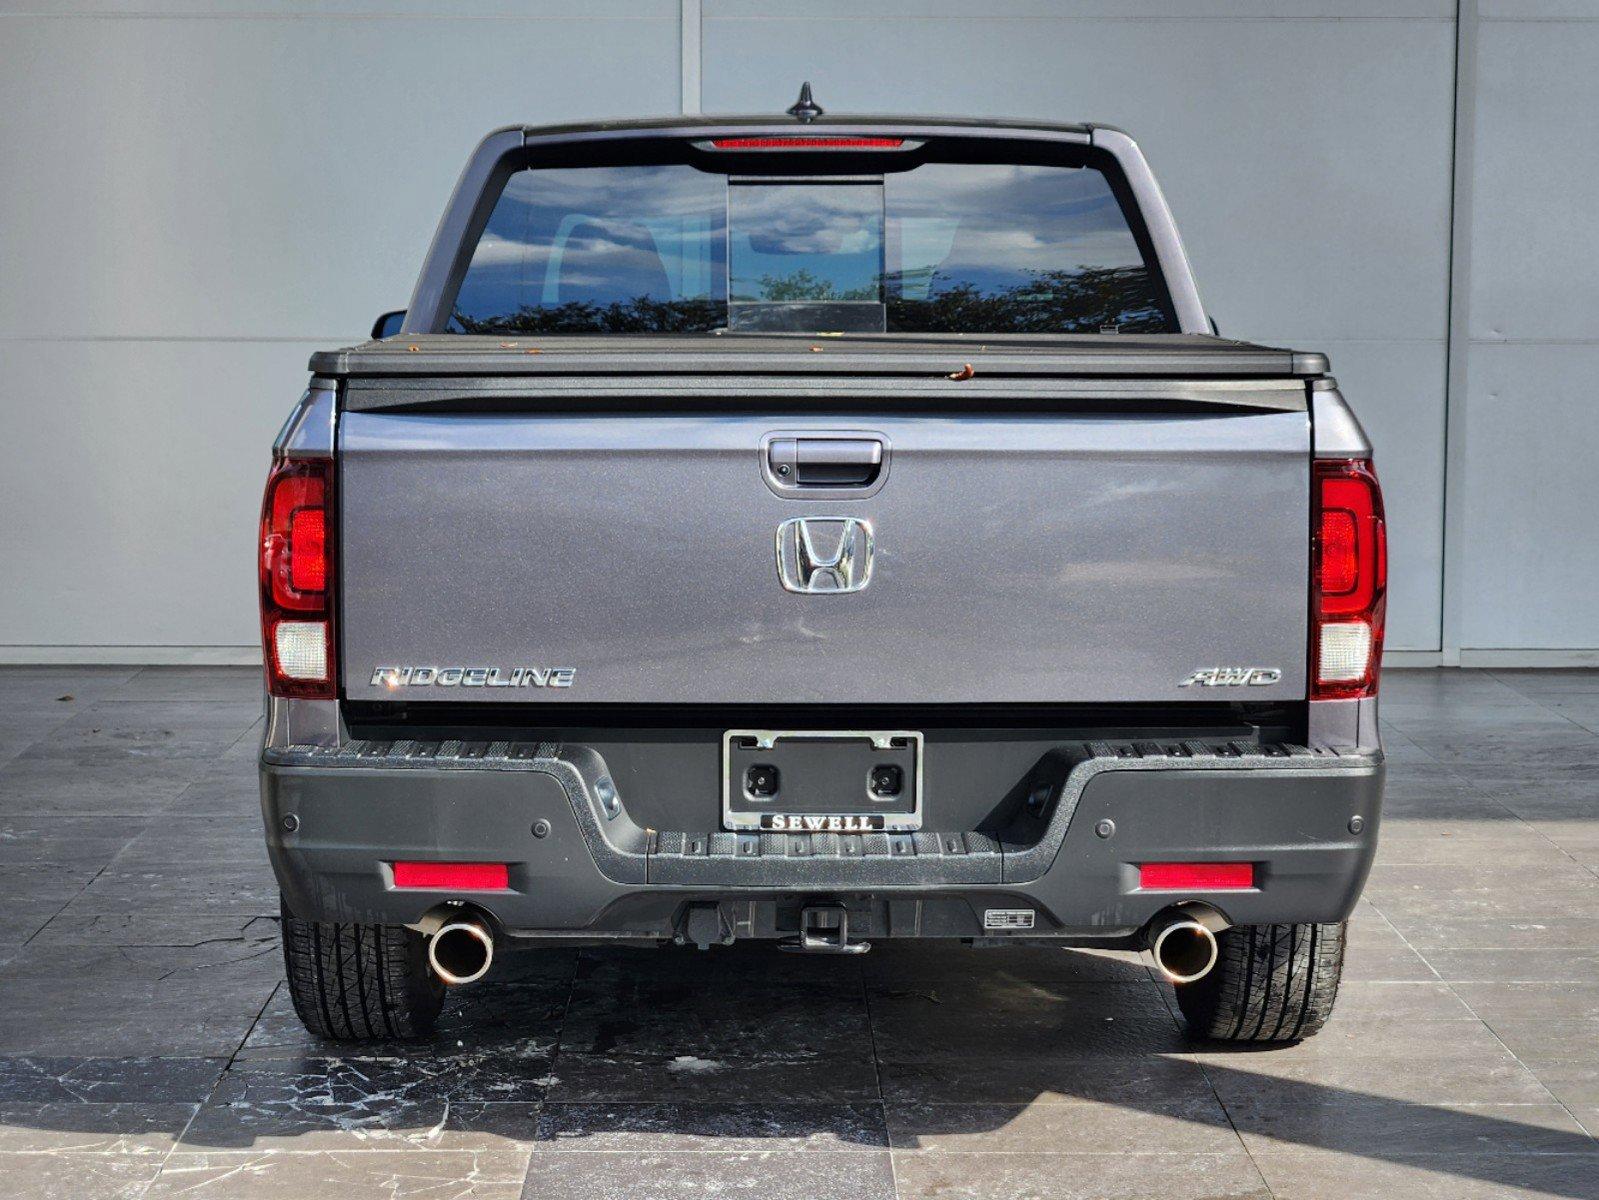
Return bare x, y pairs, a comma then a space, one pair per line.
1535, 191
1531, 557
132, 487
1529, 566
214, 177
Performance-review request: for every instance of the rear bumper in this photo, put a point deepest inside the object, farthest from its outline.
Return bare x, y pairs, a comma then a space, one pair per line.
579, 867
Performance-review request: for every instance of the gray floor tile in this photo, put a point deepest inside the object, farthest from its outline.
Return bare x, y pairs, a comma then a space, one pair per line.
908, 964
260, 1120
171, 904
771, 1175
81, 843
1569, 1040
59, 1176
508, 1021
1517, 931
32, 895
1576, 1085
125, 732
371, 1175
1361, 999
1059, 1034
1542, 1000
177, 839
34, 785
22, 729
228, 787
1083, 1177
36, 1079
90, 1128
95, 1001
744, 964
1194, 1124
239, 685
783, 1075
1395, 963
1576, 837
1380, 1128
656, 1019
1337, 1175
1543, 682
46, 684
1136, 1080
1501, 839
1504, 965
722, 1128
1482, 1071
357, 1087
1016, 998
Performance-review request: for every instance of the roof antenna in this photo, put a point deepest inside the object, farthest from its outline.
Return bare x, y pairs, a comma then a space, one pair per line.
805, 110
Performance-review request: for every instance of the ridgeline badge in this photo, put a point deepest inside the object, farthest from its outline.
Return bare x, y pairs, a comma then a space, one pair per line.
493, 677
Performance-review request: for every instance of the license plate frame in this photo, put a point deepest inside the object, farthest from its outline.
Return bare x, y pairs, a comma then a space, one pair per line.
813, 766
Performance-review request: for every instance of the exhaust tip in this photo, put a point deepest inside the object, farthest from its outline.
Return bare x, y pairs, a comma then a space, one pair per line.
461, 952
1185, 951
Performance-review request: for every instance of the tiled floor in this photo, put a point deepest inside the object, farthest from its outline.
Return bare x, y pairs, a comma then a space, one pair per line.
147, 1050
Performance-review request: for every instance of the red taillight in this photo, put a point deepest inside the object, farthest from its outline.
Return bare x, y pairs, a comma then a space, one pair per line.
808, 143
1349, 580
308, 557
297, 579
453, 876
1340, 563
1196, 877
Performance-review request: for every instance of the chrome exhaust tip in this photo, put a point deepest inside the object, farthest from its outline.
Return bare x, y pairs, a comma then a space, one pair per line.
1183, 943
461, 951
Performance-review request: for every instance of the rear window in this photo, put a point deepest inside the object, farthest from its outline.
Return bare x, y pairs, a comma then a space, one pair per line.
680, 247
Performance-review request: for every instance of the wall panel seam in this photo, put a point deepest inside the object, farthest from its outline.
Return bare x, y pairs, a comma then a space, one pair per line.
1451, 617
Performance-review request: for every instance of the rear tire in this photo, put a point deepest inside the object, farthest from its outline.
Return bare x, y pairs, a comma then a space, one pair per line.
1271, 983
360, 983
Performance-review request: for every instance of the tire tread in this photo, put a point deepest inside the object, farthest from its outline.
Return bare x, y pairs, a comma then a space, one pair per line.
1271, 983
352, 982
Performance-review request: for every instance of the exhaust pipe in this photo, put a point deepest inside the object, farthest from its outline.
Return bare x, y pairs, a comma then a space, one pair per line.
1183, 942
460, 951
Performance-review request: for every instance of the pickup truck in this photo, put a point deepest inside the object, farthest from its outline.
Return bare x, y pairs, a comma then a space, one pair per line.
827, 530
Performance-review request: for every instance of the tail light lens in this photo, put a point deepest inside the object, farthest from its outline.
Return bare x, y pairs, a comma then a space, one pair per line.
297, 579
808, 143
1349, 580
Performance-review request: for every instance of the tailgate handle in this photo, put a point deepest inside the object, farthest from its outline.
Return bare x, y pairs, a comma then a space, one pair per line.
826, 462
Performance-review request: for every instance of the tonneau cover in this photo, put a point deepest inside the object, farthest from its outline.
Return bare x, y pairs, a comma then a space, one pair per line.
927, 356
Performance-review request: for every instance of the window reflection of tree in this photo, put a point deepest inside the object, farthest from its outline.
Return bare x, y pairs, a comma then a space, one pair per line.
1084, 301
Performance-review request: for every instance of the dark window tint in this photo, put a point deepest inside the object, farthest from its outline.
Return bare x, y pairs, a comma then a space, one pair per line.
942, 247
995, 248
639, 249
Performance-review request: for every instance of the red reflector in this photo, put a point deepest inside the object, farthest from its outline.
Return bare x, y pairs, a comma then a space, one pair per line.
308, 560
808, 143
463, 877
1196, 877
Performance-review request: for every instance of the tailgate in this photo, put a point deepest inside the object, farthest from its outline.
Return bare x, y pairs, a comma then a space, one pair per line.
1014, 557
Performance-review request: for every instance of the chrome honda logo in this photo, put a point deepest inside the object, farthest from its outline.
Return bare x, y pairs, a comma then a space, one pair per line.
824, 554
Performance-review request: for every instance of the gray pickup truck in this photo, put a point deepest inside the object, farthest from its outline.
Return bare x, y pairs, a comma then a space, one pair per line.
823, 530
